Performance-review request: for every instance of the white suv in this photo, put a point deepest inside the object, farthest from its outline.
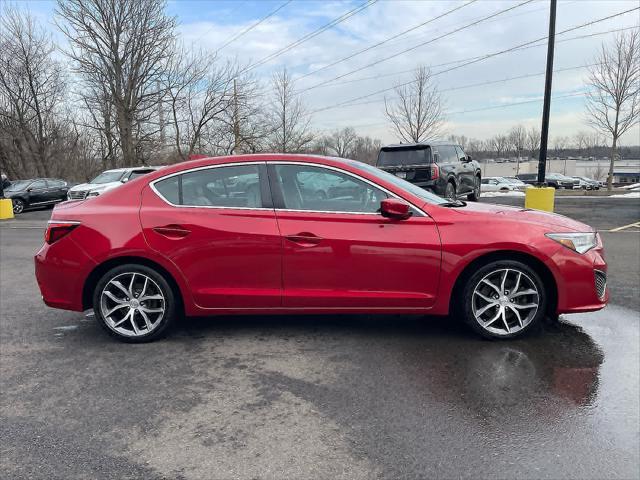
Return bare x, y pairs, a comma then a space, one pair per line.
106, 181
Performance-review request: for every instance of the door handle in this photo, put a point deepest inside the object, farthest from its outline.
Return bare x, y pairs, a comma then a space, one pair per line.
305, 239
172, 231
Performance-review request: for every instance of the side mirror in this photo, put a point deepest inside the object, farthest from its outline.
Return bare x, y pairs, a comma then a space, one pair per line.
395, 208
469, 158
124, 180
30, 189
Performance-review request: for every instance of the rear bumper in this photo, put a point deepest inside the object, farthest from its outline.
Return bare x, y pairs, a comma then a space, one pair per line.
60, 270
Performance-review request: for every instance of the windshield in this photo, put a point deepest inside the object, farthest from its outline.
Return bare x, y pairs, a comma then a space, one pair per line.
404, 156
108, 176
403, 184
16, 186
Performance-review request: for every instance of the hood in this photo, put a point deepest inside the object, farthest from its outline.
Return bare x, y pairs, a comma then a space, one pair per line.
94, 186
552, 221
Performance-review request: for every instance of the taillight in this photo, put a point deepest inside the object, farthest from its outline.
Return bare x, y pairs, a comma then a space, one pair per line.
435, 171
57, 230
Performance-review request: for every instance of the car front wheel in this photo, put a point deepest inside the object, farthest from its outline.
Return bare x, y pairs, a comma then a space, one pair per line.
504, 299
134, 303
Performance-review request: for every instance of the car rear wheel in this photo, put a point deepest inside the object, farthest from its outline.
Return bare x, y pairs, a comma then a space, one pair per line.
18, 206
475, 195
504, 299
134, 303
450, 191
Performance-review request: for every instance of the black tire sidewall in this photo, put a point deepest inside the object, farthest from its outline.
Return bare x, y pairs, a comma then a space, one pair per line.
466, 309
167, 291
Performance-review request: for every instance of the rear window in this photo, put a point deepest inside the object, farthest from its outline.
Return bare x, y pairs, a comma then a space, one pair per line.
392, 157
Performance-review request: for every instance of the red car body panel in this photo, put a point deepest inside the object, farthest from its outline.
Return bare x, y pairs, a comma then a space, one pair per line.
266, 260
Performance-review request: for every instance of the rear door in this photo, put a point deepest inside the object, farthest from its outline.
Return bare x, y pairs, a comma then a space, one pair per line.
339, 252
217, 225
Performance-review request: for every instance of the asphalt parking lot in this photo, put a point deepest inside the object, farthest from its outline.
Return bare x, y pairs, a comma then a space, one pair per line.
322, 397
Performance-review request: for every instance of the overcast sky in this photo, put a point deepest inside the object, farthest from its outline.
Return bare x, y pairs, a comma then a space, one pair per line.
475, 112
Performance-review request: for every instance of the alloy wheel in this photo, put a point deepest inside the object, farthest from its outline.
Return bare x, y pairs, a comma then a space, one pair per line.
450, 191
505, 301
18, 206
132, 304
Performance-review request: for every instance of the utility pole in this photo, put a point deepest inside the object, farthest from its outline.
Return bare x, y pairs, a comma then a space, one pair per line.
236, 122
542, 161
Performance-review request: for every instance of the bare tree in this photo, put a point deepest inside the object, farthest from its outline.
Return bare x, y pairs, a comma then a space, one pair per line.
199, 93
417, 113
125, 44
517, 139
366, 149
613, 103
290, 130
533, 141
587, 142
559, 144
31, 94
341, 143
499, 144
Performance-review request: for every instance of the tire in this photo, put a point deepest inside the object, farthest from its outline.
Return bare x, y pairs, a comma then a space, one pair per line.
475, 196
450, 191
18, 206
499, 319
158, 311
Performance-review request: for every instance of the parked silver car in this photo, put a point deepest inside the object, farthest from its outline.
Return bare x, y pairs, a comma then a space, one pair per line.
106, 181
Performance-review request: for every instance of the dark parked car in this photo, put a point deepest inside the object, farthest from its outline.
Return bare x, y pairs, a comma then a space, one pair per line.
554, 180
36, 192
440, 167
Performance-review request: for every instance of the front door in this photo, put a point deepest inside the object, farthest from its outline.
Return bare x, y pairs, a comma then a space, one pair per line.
467, 172
218, 227
338, 252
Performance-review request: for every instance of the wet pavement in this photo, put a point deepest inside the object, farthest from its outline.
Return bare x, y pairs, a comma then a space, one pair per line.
317, 397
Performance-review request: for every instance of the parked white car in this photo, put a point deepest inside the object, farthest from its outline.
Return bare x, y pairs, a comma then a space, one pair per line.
106, 181
497, 184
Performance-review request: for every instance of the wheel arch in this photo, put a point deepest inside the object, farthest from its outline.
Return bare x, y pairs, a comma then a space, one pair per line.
96, 274
536, 264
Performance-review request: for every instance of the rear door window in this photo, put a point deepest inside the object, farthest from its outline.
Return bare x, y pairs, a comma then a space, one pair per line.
236, 186
447, 154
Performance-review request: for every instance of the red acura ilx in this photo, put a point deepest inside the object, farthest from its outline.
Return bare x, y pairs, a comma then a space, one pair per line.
304, 234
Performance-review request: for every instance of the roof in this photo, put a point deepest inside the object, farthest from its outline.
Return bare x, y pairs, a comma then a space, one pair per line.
434, 143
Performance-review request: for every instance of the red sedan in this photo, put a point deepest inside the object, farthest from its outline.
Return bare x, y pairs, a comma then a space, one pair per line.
303, 234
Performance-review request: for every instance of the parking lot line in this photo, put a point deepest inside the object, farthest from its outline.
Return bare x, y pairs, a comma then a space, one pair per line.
624, 227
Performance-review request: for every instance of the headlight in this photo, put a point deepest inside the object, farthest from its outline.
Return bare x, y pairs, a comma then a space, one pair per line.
93, 194
579, 242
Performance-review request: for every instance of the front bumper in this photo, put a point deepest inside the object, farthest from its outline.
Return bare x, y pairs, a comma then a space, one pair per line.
580, 280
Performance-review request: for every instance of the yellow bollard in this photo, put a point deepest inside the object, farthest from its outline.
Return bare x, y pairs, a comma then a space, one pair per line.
539, 198
6, 208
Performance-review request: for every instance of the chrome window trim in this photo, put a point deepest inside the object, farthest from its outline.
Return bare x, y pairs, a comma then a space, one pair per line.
354, 175
416, 209
206, 167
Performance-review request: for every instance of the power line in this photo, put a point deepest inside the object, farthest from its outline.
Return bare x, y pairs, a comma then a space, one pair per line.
313, 34
477, 59
451, 32
481, 84
401, 72
371, 47
251, 27
491, 107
